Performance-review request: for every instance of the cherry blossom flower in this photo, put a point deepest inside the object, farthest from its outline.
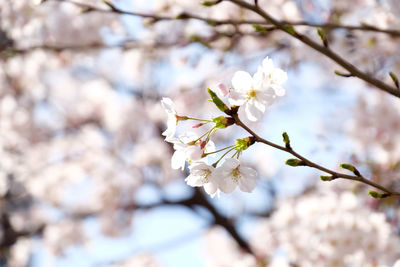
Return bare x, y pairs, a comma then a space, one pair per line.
259, 91
232, 174
275, 77
202, 174
188, 148
169, 107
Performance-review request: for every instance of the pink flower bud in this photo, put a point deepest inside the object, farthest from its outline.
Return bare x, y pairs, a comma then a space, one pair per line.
223, 90
197, 125
203, 144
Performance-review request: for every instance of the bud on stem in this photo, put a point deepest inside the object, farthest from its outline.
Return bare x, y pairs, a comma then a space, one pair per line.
244, 143
323, 37
343, 74
181, 118
350, 168
218, 102
262, 29
197, 125
375, 194
395, 79
295, 162
286, 140
223, 122
289, 29
211, 3
110, 5
327, 178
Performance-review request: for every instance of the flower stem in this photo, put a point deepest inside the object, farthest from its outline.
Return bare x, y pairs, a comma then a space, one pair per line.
311, 164
213, 130
206, 133
216, 163
196, 119
206, 154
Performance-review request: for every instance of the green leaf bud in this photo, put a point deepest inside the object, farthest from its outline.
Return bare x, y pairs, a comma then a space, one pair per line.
294, 162
244, 143
343, 74
350, 168
223, 122
218, 102
395, 79
323, 37
259, 28
326, 178
289, 29
375, 194
286, 139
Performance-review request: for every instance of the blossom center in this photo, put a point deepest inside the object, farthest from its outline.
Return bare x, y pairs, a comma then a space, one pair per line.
252, 93
205, 176
236, 174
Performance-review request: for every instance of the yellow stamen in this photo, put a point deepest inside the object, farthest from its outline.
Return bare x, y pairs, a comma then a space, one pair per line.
236, 174
206, 175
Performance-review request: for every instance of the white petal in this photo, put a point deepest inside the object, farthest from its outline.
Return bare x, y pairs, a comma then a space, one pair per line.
210, 147
178, 160
168, 105
188, 137
229, 164
194, 180
247, 183
268, 65
259, 79
247, 171
279, 90
211, 188
199, 166
178, 145
171, 127
279, 76
258, 105
172, 140
266, 97
242, 81
252, 112
226, 184
168, 133
194, 153
237, 98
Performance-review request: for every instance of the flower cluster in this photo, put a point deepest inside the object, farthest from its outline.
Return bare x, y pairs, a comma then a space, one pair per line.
327, 229
257, 92
254, 93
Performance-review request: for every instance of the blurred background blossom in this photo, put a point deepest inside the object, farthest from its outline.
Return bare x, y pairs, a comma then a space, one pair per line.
85, 174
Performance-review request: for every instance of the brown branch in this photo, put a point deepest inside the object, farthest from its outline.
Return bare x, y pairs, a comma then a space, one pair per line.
196, 200
281, 25
10, 51
215, 22
353, 70
309, 163
125, 45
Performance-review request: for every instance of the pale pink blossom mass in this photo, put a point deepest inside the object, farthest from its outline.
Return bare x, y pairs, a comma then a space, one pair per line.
89, 158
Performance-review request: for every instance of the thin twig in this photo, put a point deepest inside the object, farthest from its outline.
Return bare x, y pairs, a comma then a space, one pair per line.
311, 164
187, 16
282, 25
320, 48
